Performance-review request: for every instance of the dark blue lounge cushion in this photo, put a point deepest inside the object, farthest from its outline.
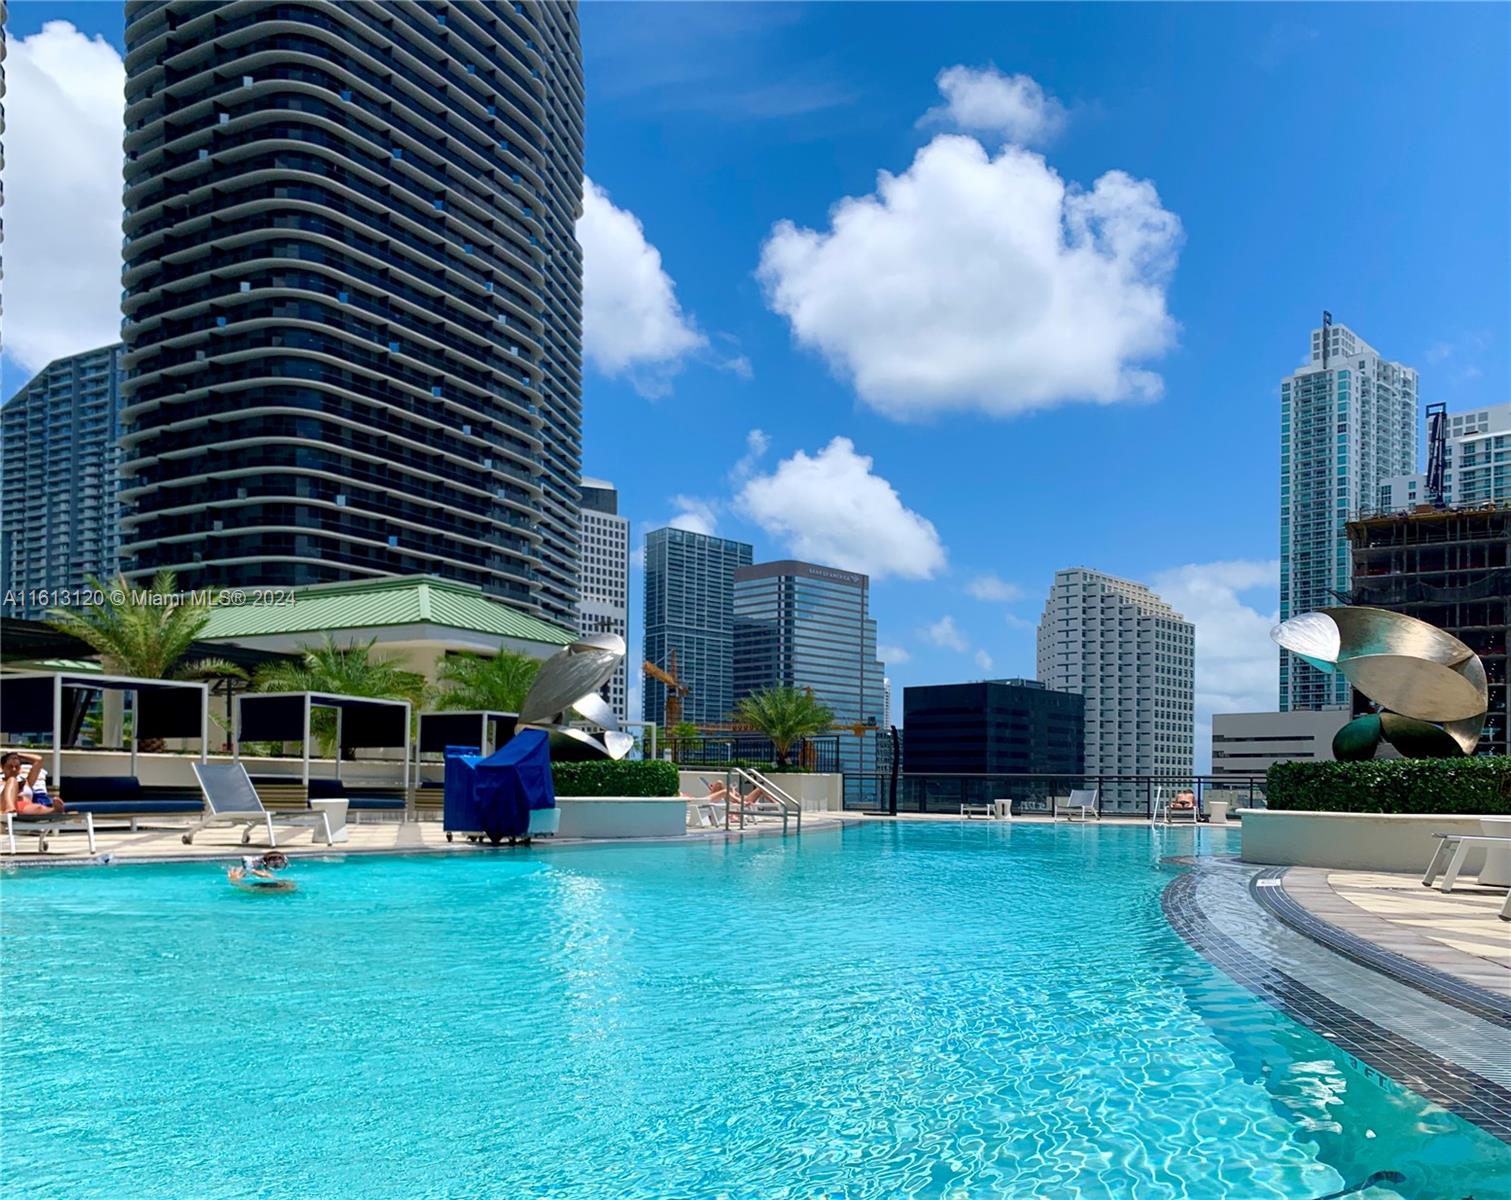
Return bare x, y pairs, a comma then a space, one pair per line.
126, 808
104, 795
325, 788
100, 787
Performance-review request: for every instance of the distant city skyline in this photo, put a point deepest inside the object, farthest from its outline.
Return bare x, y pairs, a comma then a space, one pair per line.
743, 377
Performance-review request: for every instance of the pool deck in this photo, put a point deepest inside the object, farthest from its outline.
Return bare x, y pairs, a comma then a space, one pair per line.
1458, 934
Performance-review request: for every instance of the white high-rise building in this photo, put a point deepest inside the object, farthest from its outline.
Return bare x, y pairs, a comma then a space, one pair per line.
603, 598
1348, 423
1476, 467
1134, 659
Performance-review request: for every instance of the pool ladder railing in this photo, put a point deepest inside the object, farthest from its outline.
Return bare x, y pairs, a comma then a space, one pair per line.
785, 806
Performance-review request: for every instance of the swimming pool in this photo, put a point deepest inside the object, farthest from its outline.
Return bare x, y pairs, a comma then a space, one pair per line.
894, 1010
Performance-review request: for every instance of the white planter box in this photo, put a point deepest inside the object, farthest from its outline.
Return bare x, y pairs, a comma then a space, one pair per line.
621, 816
1351, 841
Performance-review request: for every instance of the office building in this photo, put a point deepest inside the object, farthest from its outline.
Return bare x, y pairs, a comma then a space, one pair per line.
1133, 658
1348, 421
352, 294
689, 612
60, 480
1246, 744
958, 733
603, 606
1476, 464
802, 625
1452, 569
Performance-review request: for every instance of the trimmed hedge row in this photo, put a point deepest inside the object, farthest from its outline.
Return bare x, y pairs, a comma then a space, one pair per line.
608, 778
1468, 786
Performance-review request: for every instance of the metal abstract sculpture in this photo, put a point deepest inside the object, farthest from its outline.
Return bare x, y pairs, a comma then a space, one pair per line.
1430, 687
568, 682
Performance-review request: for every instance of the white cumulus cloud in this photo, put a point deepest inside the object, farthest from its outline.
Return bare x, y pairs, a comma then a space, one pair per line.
892, 655
983, 660
979, 283
1237, 666
694, 515
944, 632
632, 324
66, 97
992, 588
984, 100
832, 508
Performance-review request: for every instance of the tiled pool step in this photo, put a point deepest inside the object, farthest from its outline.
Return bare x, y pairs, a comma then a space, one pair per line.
1454, 1057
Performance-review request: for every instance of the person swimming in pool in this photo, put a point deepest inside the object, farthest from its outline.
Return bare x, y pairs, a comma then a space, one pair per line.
257, 872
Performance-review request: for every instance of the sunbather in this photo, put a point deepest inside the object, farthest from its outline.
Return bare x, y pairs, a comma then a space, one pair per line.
19, 793
1183, 802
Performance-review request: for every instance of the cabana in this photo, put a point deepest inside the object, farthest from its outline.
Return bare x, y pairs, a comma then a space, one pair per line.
55, 703
362, 723
483, 730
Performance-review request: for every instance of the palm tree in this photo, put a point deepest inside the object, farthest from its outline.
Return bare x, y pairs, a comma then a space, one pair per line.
477, 684
785, 715
147, 633
349, 670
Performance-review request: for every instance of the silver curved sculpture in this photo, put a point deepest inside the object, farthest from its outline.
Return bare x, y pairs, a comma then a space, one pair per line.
568, 682
1426, 682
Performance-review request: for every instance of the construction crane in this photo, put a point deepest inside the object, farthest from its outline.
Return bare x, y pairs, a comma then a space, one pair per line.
675, 689
1437, 452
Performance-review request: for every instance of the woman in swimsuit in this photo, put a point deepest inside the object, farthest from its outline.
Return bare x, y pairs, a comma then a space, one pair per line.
17, 793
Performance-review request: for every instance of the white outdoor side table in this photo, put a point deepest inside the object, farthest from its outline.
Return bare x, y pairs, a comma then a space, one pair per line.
1002, 808
335, 813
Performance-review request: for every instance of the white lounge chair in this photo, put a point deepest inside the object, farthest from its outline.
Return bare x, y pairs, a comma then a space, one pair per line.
1448, 861
1083, 801
230, 799
44, 826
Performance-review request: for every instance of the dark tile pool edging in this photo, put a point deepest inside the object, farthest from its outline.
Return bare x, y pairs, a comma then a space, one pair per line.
1439, 985
1480, 1101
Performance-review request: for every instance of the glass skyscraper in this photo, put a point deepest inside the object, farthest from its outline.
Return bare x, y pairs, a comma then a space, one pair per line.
353, 293
801, 625
1348, 422
60, 480
689, 610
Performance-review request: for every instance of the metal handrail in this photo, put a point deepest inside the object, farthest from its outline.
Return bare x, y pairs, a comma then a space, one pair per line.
789, 807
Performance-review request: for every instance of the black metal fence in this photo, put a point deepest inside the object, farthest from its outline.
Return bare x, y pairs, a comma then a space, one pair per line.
1117, 795
752, 750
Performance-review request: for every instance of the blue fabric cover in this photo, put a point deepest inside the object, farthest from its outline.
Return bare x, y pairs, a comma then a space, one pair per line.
495, 795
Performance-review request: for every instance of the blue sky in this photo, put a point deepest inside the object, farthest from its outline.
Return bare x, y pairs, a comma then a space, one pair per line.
1276, 160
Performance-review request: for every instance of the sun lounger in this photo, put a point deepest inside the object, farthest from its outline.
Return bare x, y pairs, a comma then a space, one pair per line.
230, 799
1448, 860
44, 825
1082, 801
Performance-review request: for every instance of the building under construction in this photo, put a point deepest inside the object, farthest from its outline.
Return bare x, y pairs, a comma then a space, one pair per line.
1451, 568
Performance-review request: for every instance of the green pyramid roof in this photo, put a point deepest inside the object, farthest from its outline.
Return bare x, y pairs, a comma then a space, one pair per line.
400, 600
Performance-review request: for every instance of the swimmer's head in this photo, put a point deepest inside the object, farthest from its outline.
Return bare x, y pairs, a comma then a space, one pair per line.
275, 859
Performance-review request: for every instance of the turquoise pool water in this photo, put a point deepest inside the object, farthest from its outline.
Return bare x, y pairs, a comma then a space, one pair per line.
906, 1010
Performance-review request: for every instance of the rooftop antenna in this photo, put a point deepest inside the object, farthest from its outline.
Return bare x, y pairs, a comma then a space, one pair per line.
1437, 452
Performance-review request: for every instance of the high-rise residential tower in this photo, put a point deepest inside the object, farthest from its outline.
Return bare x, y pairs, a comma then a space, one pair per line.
1348, 422
353, 293
689, 611
802, 625
1134, 659
603, 605
60, 480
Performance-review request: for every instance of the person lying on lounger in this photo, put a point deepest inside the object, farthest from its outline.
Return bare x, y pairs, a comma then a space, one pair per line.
26, 795
256, 872
1183, 802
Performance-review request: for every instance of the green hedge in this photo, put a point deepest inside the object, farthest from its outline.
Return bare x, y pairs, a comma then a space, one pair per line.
606, 778
1471, 786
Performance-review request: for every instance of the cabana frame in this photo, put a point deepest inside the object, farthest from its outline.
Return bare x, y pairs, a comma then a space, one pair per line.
310, 702
118, 683
485, 718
